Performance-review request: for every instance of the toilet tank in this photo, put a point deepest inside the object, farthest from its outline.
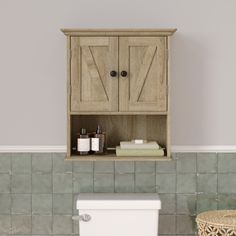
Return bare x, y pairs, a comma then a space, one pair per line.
116, 214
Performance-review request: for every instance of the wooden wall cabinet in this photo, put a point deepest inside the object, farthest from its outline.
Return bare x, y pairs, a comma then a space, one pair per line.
119, 79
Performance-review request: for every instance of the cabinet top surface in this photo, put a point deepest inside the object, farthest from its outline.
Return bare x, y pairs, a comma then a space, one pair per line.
119, 32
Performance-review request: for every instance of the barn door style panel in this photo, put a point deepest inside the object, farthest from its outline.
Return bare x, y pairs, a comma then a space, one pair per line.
143, 76
92, 86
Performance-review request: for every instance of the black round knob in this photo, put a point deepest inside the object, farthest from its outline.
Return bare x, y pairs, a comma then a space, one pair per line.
123, 73
113, 73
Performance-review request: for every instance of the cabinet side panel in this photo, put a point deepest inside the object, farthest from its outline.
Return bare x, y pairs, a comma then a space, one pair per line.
68, 95
168, 131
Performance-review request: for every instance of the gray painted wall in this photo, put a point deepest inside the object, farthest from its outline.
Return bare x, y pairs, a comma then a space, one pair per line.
33, 64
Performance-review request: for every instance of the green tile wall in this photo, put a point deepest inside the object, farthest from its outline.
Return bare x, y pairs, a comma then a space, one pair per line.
38, 190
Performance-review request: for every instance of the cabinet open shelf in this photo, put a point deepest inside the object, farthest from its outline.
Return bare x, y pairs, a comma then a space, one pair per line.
120, 128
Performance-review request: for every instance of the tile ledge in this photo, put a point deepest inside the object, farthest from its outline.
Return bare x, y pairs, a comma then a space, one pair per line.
62, 148
206, 148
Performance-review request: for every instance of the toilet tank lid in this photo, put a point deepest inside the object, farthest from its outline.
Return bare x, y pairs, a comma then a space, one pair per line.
118, 201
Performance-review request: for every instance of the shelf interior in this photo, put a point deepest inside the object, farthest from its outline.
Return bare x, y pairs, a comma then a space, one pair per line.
122, 128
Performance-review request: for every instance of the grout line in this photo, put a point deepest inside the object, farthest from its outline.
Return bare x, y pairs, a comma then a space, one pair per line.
31, 191
114, 177
11, 200
176, 159
156, 177
197, 195
93, 175
52, 193
217, 180
135, 176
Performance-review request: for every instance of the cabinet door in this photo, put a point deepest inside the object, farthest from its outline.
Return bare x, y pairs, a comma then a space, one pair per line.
145, 86
92, 87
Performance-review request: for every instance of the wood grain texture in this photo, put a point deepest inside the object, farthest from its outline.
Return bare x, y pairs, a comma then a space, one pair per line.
119, 32
92, 87
168, 124
113, 157
144, 89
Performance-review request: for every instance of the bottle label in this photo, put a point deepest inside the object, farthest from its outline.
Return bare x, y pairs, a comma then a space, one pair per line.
95, 144
83, 145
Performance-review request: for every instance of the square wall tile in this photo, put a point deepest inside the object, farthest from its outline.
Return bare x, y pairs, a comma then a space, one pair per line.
62, 203
227, 201
186, 204
168, 203
5, 203
21, 183
166, 224
166, 183
41, 224
185, 224
42, 204
186, 162
207, 162
21, 163
62, 183
5, 224
226, 183
41, 183
5, 162
124, 167
75, 227
104, 183
62, 224
207, 183
21, 204
186, 183
104, 166
42, 162
60, 165
124, 183
166, 166
83, 182
5, 180
206, 202
82, 166
145, 166
226, 162
21, 224
145, 182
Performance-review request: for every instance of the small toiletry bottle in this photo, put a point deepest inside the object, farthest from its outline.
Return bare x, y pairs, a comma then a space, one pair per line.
83, 142
98, 141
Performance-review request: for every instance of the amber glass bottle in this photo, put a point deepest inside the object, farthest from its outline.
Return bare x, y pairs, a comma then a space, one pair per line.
83, 142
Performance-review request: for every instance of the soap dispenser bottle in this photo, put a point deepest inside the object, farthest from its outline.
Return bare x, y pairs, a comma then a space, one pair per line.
98, 141
83, 142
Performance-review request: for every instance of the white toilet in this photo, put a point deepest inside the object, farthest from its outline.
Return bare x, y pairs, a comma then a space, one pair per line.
118, 214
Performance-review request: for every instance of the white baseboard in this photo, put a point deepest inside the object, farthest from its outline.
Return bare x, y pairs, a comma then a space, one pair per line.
211, 148
33, 148
62, 148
